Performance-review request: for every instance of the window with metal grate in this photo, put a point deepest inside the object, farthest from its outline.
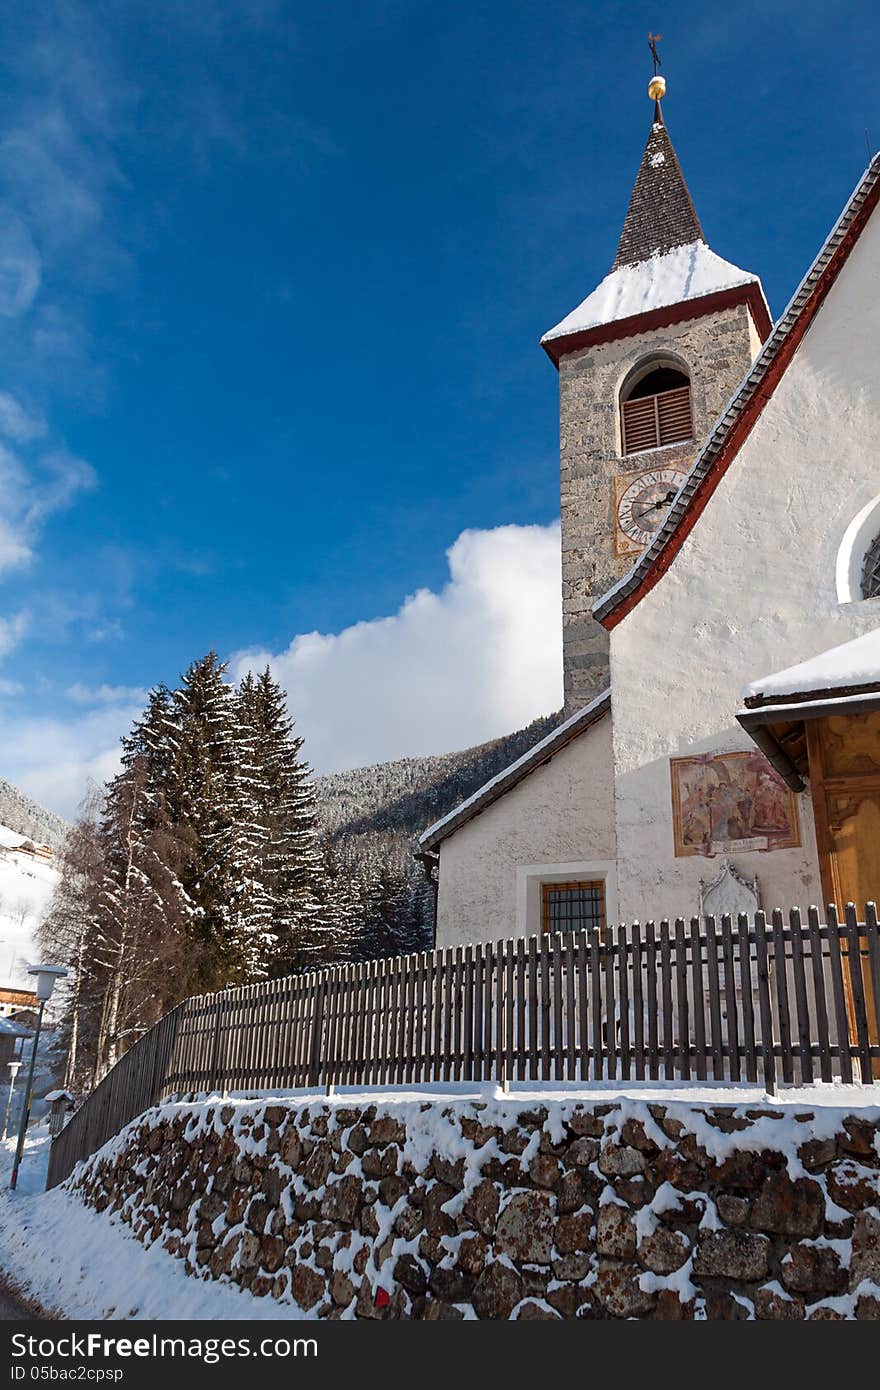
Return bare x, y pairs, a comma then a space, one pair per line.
871, 570
573, 906
650, 422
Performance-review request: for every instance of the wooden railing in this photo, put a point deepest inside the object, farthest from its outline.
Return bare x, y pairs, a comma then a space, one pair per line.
135, 1083
687, 1001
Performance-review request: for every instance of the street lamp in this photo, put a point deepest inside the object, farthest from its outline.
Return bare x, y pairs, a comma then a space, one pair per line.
14, 1068
46, 977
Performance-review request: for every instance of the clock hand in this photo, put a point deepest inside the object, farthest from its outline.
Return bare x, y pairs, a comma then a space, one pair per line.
654, 506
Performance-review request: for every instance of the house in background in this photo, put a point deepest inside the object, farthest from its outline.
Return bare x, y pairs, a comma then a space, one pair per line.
13, 1000
13, 1035
20, 849
721, 585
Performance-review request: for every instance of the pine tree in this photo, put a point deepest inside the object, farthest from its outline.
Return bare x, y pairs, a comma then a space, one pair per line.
208, 804
291, 874
203, 866
254, 826
339, 904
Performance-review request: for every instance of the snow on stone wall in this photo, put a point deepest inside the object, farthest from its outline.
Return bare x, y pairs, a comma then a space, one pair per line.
510, 1208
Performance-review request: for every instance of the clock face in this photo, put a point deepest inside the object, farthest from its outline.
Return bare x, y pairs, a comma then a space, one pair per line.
642, 502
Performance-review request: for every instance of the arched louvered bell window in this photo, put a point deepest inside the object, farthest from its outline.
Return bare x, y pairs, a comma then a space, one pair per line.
871, 570
656, 411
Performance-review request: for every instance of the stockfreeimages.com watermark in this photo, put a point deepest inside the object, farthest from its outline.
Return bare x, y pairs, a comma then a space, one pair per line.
92, 1346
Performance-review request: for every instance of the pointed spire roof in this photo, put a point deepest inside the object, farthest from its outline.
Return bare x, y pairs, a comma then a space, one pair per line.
661, 215
664, 271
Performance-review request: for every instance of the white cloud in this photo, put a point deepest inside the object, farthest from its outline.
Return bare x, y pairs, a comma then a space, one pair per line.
106, 694
19, 265
12, 629
480, 658
65, 476
30, 494
16, 422
54, 759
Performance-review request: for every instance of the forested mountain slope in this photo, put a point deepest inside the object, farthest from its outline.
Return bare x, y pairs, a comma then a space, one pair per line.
374, 816
27, 817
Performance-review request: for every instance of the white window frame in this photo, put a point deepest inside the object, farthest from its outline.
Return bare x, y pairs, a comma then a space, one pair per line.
857, 538
531, 877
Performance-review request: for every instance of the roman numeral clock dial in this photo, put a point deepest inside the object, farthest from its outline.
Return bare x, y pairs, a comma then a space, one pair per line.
641, 502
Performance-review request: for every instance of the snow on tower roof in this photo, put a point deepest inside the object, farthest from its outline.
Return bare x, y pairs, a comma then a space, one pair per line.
674, 277
662, 260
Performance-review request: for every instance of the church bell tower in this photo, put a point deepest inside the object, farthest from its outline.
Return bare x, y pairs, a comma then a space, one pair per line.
646, 364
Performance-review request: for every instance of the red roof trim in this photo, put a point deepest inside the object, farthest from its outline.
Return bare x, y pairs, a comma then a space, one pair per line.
749, 294
748, 418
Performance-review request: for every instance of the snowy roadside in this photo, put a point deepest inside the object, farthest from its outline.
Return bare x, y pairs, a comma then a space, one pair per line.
78, 1264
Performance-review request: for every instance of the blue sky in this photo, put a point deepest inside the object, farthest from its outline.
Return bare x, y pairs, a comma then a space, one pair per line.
272, 279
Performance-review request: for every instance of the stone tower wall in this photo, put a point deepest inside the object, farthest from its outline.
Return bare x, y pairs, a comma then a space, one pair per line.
718, 350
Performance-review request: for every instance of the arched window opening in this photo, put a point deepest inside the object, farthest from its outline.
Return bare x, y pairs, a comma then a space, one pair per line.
871, 570
655, 410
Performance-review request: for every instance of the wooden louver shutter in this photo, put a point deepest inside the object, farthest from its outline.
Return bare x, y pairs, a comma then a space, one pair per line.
674, 415
652, 421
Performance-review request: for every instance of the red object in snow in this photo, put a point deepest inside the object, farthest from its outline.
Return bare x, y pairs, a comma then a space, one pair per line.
383, 1298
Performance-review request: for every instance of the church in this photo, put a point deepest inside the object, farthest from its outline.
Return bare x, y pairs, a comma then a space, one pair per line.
720, 504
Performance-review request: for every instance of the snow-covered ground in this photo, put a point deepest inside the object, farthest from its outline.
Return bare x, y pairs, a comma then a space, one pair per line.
825, 1093
78, 1264
26, 885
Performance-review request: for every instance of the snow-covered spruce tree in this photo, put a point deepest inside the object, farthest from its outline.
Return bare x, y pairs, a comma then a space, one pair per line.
340, 906
201, 867
254, 833
209, 805
304, 927
393, 907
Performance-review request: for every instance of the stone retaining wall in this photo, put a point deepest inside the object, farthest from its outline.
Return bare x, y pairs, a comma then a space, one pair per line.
509, 1208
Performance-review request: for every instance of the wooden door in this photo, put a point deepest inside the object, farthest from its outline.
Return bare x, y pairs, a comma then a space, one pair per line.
844, 756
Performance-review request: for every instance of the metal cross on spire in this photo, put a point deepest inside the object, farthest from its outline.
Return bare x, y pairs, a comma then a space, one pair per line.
653, 40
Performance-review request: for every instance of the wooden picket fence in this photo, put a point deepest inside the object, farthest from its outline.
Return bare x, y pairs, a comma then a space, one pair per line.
695, 1000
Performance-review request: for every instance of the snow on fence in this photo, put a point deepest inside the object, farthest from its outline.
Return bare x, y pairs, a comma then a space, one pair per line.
699, 1000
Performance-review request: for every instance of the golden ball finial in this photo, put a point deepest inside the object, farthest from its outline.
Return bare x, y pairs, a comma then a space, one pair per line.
657, 87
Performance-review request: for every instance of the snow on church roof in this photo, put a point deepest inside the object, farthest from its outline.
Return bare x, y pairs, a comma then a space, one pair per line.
849, 667
686, 272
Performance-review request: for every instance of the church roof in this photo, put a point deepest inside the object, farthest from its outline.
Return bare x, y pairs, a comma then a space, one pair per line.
844, 680
745, 406
432, 838
663, 263
853, 668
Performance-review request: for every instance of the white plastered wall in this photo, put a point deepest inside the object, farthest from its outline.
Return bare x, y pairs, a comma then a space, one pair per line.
755, 588
557, 823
